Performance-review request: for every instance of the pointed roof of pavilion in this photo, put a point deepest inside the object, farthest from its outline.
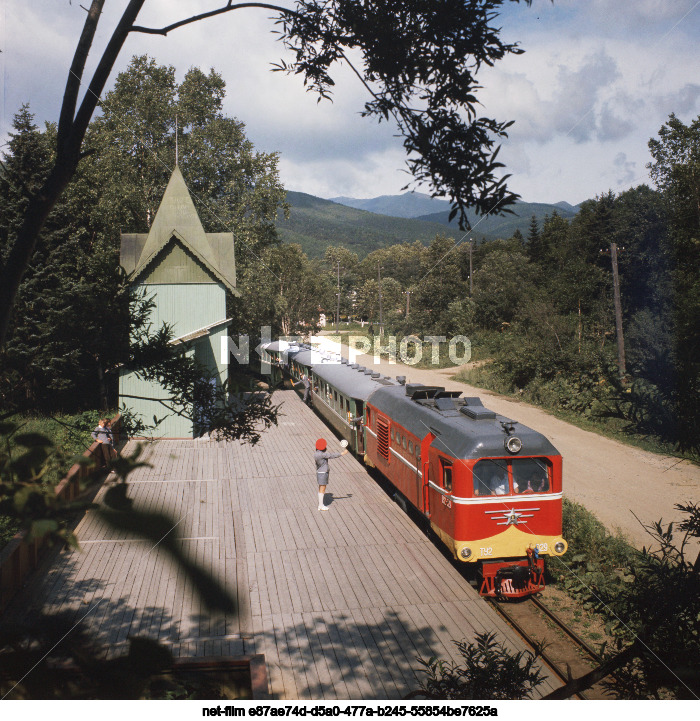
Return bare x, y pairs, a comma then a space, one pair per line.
177, 220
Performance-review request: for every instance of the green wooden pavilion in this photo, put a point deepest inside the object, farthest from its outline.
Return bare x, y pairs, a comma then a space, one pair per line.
187, 273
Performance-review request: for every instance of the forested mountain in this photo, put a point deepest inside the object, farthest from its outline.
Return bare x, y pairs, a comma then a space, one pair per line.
407, 205
315, 224
365, 225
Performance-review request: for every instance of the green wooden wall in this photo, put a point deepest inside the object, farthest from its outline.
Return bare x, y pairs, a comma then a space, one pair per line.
187, 307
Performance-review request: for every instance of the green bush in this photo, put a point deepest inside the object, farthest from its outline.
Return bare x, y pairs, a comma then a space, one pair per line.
596, 562
489, 672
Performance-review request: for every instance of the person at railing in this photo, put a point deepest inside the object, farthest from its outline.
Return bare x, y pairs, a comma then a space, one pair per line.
105, 440
113, 450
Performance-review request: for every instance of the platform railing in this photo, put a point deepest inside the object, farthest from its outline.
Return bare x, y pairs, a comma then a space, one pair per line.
19, 557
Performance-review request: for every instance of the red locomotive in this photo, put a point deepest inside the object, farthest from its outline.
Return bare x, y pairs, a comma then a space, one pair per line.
491, 488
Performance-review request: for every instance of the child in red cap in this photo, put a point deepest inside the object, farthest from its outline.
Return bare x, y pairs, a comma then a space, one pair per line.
321, 457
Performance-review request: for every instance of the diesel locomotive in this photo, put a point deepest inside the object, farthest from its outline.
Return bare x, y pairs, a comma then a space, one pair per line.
490, 487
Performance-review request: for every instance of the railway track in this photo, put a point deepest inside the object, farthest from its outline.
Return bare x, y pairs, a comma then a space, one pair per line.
565, 653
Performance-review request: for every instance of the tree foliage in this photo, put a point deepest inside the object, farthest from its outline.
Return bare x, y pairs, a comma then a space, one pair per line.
650, 602
77, 319
419, 63
676, 172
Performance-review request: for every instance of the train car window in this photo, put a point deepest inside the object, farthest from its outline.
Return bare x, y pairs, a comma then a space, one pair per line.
530, 475
335, 396
491, 477
404, 443
410, 447
446, 476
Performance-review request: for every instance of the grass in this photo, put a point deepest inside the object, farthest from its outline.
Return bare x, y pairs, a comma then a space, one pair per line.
70, 435
596, 559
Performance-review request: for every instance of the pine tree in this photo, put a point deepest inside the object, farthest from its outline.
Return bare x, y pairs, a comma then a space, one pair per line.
533, 239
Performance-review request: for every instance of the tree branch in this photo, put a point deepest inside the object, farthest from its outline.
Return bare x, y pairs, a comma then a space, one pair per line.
212, 13
68, 153
75, 74
101, 75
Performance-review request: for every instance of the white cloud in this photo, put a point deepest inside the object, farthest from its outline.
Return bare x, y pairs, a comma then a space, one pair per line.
596, 82
626, 167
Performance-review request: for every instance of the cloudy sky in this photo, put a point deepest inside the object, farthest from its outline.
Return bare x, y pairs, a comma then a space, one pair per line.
597, 80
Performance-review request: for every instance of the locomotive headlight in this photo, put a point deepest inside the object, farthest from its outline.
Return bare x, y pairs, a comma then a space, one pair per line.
560, 547
465, 553
513, 444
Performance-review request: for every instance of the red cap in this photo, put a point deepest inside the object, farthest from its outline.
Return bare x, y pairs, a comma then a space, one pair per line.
321, 444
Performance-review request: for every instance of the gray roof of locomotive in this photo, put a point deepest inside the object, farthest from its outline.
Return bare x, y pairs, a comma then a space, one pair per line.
463, 428
351, 382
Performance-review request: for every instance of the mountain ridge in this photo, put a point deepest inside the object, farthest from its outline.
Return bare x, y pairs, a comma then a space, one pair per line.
315, 223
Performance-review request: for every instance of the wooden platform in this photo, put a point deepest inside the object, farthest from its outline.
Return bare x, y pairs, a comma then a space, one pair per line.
341, 603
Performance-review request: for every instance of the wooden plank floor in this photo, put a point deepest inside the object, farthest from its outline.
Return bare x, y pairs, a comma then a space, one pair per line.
340, 602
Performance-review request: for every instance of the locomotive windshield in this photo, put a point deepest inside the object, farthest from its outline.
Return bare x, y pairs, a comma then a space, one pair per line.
530, 474
500, 477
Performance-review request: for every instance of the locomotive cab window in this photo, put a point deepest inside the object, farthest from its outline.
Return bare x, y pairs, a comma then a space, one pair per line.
531, 475
491, 478
446, 475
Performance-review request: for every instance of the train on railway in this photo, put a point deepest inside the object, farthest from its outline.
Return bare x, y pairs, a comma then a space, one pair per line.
490, 487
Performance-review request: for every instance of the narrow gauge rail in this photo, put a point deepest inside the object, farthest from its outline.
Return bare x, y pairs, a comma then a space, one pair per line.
490, 487
565, 651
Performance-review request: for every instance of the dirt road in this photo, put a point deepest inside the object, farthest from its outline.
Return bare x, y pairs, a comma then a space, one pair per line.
614, 481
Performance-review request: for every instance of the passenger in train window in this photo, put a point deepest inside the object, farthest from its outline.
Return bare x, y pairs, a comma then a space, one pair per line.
530, 475
447, 477
481, 485
535, 482
499, 484
490, 478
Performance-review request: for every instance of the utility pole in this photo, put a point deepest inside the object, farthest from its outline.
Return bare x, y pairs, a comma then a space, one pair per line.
408, 299
471, 282
381, 317
176, 148
337, 312
618, 312
621, 365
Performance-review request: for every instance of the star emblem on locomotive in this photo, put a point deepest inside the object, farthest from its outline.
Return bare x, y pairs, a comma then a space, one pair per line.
513, 518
